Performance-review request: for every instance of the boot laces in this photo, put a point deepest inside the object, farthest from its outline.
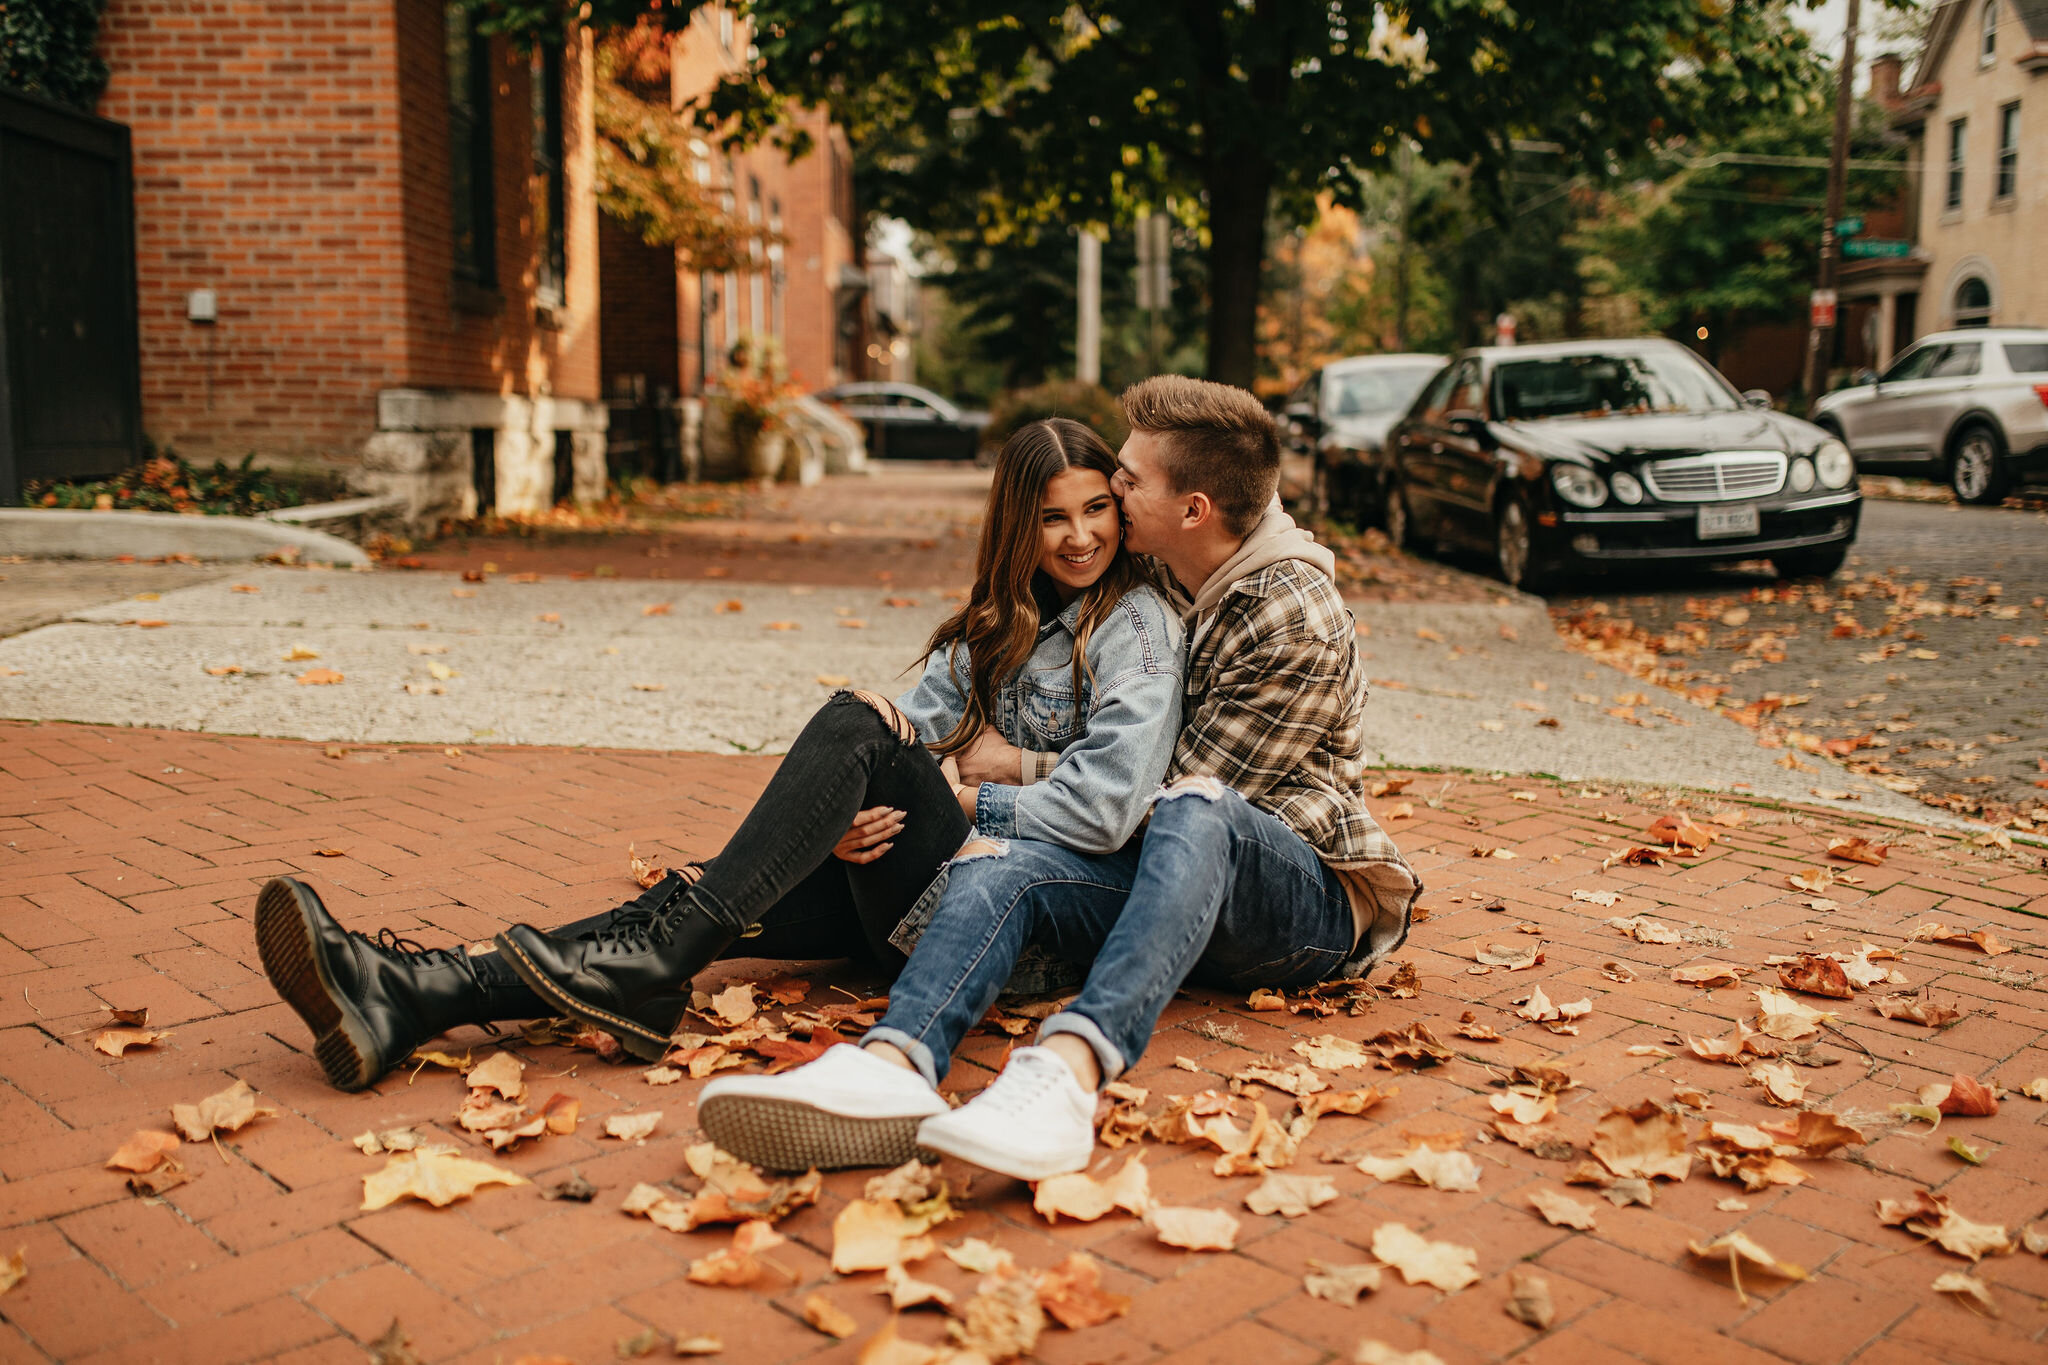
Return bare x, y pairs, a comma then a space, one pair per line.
393, 943
641, 926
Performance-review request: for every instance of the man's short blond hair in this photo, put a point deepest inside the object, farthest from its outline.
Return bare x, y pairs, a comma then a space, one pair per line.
1217, 439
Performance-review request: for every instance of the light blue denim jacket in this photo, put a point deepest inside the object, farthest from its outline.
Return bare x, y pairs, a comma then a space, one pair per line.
1114, 740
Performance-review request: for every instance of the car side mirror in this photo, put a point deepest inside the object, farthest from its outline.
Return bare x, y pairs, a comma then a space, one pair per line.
1757, 398
1863, 378
1472, 427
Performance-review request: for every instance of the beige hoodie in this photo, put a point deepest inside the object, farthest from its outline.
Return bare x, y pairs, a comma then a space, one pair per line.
1273, 537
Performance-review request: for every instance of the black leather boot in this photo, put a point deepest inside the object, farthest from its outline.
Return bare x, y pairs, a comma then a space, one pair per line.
620, 978
371, 1001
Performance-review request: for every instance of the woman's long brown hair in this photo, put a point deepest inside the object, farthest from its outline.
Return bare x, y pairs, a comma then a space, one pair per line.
999, 625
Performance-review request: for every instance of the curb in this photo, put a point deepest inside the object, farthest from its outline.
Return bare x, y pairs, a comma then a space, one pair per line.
70, 533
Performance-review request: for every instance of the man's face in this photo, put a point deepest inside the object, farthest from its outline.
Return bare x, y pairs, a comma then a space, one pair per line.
1152, 511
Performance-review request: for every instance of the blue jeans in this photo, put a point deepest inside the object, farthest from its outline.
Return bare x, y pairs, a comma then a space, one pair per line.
1219, 891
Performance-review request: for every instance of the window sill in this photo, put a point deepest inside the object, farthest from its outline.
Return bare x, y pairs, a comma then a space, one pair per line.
1950, 217
2005, 204
471, 297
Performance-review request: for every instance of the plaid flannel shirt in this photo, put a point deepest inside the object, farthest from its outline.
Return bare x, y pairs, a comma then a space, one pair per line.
1272, 710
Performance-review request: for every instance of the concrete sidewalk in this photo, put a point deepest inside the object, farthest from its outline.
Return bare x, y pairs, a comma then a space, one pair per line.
129, 860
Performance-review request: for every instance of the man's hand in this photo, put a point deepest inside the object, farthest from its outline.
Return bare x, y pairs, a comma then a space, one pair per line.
968, 794
990, 758
870, 835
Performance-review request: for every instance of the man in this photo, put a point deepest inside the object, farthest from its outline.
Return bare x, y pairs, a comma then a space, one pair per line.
1260, 864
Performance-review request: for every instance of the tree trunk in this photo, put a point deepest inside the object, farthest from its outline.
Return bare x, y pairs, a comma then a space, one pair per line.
1238, 187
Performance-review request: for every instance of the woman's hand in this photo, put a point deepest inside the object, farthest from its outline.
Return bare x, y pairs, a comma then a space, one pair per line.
968, 794
870, 835
991, 758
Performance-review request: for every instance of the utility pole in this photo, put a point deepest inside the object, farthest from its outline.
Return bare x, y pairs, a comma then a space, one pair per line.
1088, 329
1820, 337
1155, 281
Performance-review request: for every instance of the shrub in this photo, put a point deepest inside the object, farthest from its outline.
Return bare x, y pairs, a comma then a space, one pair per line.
166, 483
1088, 403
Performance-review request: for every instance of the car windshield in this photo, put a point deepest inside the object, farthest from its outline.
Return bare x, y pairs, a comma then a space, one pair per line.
1600, 385
1379, 390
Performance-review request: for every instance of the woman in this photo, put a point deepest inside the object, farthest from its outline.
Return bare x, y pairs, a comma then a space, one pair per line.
1063, 650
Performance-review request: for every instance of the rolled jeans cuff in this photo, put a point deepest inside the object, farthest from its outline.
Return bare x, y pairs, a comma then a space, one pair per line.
1081, 1026
920, 1055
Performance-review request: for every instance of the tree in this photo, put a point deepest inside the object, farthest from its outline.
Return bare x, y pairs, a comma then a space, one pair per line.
49, 48
1731, 232
986, 115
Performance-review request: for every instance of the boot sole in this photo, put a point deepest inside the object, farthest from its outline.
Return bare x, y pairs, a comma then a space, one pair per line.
784, 1135
284, 940
636, 1038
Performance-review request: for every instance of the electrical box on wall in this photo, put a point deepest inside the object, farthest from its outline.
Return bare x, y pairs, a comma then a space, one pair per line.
201, 306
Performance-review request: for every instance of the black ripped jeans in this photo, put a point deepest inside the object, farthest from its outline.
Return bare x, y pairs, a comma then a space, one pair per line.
777, 882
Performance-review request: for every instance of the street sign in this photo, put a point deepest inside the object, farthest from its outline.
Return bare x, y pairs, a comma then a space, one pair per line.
1823, 301
1848, 227
1869, 247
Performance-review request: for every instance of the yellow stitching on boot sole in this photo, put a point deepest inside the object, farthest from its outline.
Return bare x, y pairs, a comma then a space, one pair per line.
573, 1005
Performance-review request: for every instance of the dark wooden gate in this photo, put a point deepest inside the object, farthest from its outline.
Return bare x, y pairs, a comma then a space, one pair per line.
70, 380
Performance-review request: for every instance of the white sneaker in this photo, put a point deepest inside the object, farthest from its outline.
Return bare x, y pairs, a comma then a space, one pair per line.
847, 1108
1035, 1121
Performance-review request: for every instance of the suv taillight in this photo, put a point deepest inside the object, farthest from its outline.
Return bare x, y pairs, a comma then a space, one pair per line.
2041, 392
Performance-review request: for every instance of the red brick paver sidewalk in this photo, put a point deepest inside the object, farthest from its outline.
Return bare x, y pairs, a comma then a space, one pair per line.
128, 863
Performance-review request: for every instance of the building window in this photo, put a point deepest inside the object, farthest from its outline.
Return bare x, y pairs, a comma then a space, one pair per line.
550, 187
1973, 303
1987, 50
1954, 197
469, 147
2007, 180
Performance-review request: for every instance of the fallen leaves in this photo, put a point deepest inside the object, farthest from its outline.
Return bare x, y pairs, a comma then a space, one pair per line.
116, 1041
1562, 1211
1529, 1301
1980, 939
1780, 1016
1083, 1198
1643, 929
143, 1152
13, 1269
1444, 1265
226, 1112
434, 1175
1072, 1295
1292, 1196
1816, 975
1516, 957
500, 1072
1645, 1142
1930, 1216
827, 1317
1194, 1229
1340, 1284
1781, 1084
1738, 1250
320, 677
1708, 975
1425, 1165
1680, 834
1963, 1096
739, 1264
1858, 850
874, 1234
632, 1127
1967, 1286
1922, 1008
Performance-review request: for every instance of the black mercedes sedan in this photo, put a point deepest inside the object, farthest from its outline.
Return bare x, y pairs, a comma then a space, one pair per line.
1573, 455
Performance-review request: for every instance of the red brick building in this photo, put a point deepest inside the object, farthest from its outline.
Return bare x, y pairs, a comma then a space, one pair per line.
366, 240
668, 327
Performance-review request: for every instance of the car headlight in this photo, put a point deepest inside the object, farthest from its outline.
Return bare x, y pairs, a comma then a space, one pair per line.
1625, 487
1802, 475
1578, 485
1836, 465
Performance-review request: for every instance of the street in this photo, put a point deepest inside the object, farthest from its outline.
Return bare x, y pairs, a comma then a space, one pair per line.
1923, 652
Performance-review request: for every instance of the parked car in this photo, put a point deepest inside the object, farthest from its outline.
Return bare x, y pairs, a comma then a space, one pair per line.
905, 422
1575, 454
1339, 416
1968, 407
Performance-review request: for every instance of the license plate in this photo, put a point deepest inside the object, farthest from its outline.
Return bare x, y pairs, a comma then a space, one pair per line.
1727, 521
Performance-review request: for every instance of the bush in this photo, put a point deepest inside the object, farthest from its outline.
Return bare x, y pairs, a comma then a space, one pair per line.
47, 49
1087, 403
165, 483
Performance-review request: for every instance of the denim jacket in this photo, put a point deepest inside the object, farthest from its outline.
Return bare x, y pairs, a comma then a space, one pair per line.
1114, 739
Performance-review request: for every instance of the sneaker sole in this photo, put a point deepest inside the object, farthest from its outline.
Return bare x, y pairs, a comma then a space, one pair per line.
284, 940
784, 1135
636, 1038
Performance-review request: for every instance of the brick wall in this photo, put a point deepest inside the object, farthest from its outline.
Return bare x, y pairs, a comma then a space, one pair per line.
293, 157
266, 168
468, 339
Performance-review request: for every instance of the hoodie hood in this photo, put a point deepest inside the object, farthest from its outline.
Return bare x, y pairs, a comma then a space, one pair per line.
1273, 538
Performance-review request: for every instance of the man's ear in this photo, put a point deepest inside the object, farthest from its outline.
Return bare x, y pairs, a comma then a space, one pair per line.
1197, 511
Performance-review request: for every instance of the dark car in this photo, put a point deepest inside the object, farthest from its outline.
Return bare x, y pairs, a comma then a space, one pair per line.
1599, 453
1339, 416
905, 422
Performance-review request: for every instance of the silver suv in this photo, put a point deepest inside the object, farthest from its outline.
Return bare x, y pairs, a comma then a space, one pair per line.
1970, 407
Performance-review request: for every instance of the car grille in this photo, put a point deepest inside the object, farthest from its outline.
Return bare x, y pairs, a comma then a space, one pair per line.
1721, 477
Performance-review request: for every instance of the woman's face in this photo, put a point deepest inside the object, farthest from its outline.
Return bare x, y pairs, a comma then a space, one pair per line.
1077, 520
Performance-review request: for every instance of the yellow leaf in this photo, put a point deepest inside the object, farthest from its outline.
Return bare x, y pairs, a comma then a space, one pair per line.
225, 1111
435, 1175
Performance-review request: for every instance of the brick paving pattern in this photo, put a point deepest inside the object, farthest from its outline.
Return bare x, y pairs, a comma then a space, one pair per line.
128, 865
